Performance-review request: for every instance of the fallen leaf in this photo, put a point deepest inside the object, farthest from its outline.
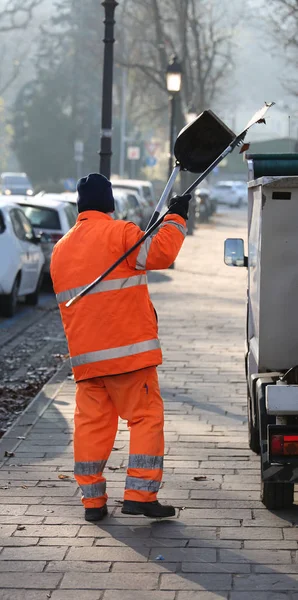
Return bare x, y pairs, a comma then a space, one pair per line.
200, 478
25, 487
61, 476
9, 454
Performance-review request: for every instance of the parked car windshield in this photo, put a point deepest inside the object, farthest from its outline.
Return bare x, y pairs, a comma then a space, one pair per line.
43, 218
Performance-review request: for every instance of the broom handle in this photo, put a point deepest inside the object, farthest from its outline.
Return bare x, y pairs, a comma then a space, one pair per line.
164, 196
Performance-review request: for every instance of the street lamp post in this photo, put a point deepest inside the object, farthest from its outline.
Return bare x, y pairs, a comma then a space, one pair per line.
174, 78
107, 89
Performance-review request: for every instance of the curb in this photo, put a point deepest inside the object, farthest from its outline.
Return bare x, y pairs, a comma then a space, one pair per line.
33, 412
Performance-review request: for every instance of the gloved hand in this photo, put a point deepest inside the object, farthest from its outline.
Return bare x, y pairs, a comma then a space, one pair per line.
179, 205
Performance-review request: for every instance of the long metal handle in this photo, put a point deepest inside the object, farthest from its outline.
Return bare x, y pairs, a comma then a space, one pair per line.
164, 196
146, 234
258, 117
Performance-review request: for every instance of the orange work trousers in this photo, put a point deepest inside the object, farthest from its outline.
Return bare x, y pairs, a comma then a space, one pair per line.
136, 398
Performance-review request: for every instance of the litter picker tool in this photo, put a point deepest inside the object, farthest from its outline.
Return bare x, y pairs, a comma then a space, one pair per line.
199, 148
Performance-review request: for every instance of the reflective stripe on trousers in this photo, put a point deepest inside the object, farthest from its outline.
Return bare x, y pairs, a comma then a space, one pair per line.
135, 473
105, 286
121, 352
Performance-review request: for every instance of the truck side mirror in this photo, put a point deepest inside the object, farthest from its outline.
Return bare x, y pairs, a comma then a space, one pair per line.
234, 253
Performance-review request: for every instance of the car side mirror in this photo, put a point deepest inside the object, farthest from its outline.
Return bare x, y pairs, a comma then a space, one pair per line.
234, 253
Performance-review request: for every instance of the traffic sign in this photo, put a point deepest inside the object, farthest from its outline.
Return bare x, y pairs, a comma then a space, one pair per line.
151, 147
79, 151
133, 153
151, 161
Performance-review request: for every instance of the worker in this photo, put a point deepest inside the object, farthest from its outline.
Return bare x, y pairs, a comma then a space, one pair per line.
113, 343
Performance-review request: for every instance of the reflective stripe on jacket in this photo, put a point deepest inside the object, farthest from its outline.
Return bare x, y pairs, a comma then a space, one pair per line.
113, 328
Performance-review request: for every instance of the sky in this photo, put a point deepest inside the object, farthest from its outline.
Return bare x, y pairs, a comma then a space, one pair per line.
259, 75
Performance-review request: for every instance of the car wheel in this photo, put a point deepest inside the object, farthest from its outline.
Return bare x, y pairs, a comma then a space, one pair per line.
32, 299
9, 302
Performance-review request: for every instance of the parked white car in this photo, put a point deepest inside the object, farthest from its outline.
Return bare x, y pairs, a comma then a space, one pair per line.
228, 192
49, 216
144, 190
22, 260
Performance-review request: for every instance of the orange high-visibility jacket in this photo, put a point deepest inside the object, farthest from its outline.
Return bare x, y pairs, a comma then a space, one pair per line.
113, 328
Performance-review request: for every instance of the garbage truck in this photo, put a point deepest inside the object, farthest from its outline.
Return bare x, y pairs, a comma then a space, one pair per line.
271, 356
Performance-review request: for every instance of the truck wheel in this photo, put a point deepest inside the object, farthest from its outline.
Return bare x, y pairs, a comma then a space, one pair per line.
253, 432
276, 496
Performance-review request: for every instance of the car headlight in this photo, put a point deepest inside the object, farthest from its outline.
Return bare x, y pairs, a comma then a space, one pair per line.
29, 192
7, 192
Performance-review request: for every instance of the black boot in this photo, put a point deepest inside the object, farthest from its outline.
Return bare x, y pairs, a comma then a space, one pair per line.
153, 510
96, 514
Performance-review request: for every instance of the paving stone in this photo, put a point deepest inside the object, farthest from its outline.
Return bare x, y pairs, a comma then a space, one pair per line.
116, 531
203, 596
110, 581
19, 594
140, 542
48, 530
255, 533
273, 581
13, 541
150, 567
84, 566
185, 554
261, 596
205, 567
81, 594
267, 544
20, 520
140, 595
256, 556
7, 530
65, 541
107, 554
13, 510
8, 566
197, 582
32, 553
24, 581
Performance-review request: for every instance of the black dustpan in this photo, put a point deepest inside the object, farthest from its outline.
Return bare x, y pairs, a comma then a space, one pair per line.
201, 142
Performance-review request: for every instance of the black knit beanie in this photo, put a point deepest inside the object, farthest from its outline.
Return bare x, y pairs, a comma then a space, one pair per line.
95, 193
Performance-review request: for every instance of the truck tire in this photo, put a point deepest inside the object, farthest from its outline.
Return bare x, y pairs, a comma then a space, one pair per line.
276, 496
253, 432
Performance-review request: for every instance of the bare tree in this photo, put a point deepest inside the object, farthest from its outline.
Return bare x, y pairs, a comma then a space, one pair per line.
201, 34
17, 14
283, 19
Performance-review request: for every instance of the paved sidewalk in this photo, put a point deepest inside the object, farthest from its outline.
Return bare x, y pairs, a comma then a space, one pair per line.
224, 544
